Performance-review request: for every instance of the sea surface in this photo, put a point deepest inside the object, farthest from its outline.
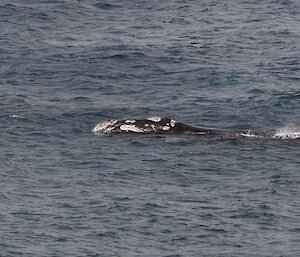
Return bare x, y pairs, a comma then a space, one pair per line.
66, 65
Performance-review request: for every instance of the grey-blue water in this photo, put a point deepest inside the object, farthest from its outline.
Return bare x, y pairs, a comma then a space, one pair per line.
67, 65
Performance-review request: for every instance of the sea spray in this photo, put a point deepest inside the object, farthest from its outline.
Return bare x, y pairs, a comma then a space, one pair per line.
287, 133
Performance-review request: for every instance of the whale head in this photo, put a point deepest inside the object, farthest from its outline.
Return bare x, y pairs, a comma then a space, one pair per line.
105, 127
149, 125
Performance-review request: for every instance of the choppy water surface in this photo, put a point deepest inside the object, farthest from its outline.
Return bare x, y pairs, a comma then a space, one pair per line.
67, 65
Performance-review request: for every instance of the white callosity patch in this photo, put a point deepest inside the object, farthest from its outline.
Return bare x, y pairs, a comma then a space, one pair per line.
104, 127
165, 128
131, 128
147, 128
153, 127
172, 122
129, 121
155, 119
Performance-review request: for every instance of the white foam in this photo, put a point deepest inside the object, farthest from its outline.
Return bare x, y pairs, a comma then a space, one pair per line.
14, 116
287, 133
250, 134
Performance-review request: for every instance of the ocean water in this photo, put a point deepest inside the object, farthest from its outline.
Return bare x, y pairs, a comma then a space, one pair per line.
67, 65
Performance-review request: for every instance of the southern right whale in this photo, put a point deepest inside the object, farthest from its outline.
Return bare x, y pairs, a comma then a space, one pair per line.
158, 125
